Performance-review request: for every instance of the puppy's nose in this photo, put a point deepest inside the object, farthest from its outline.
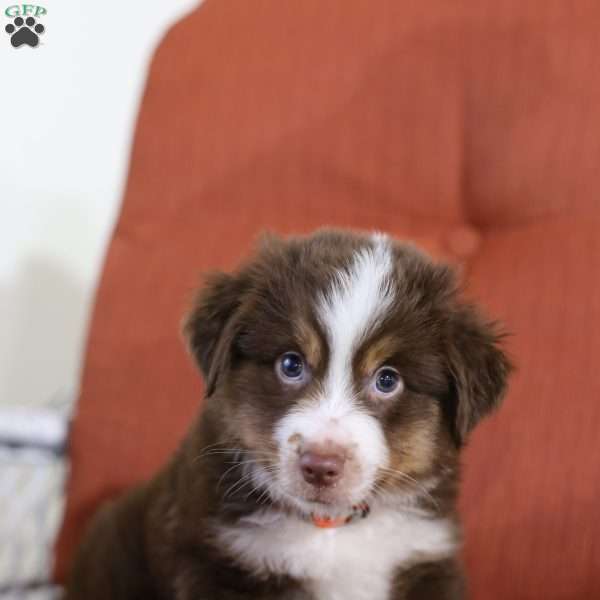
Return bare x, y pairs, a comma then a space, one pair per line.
321, 470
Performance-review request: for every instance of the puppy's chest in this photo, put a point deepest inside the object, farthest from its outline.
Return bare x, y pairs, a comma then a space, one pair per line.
354, 562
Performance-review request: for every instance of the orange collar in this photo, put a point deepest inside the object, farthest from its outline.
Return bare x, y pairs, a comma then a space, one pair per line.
359, 511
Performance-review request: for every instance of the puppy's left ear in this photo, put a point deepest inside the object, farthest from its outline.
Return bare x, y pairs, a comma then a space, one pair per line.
479, 369
210, 327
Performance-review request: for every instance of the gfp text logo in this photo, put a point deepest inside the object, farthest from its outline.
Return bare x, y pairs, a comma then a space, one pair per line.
24, 29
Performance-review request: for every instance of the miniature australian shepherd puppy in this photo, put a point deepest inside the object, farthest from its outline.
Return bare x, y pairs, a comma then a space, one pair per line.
343, 375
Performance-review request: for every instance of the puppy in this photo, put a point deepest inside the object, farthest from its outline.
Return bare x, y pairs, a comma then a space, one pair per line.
343, 375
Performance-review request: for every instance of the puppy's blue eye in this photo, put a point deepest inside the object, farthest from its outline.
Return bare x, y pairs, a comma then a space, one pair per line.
388, 381
291, 366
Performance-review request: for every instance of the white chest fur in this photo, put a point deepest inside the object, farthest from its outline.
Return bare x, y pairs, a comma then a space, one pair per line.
354, 562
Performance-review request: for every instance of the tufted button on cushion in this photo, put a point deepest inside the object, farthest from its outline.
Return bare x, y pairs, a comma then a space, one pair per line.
462, 242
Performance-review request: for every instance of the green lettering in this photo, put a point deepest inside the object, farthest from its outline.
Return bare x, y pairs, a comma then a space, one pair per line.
12, 11
39, 11
28, 9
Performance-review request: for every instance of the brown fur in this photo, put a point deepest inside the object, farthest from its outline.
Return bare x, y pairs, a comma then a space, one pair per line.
310, 342
156, 543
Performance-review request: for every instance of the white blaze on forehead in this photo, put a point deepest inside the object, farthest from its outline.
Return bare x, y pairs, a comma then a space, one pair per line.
357, 300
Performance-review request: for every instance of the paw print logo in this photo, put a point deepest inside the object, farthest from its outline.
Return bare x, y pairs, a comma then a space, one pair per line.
24, 31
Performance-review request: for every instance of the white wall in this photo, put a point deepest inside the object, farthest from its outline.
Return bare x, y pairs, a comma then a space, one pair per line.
67, 114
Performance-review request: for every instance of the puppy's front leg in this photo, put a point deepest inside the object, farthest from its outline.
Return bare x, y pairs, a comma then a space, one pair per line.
431, 581
216, 581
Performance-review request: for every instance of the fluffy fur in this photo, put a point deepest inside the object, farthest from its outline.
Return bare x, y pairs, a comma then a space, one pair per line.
232, 516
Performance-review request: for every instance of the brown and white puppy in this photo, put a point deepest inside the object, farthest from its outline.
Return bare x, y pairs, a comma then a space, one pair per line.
343, 375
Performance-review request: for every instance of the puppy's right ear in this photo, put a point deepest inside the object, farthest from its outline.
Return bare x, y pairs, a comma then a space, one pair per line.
210, 329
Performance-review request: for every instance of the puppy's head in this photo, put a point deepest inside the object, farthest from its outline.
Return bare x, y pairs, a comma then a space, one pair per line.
346, 367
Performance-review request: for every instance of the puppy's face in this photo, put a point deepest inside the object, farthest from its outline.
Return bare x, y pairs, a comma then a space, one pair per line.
345, 367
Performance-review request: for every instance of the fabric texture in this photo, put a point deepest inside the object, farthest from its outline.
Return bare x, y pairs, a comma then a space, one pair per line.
469, 127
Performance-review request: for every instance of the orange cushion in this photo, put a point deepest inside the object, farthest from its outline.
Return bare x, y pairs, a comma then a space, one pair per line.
530, 495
